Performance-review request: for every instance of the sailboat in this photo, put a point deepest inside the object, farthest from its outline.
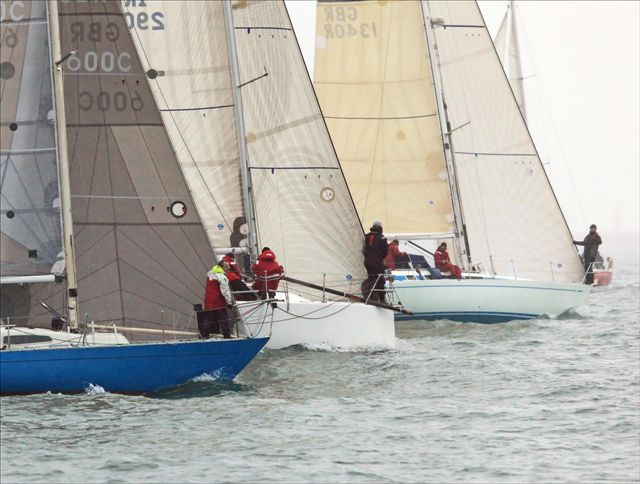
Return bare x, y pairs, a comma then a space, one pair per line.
508, 48
97, 218
433, 143
242, 115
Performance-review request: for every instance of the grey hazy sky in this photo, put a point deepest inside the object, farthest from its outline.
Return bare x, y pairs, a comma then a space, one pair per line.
583, 101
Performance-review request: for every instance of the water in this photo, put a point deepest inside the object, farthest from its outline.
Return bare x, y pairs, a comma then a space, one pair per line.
542, 400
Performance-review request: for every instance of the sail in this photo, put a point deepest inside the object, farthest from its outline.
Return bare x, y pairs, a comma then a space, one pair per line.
375, 85
184, 45
507, 46
30, 228
303, 207
142, 253
514, 222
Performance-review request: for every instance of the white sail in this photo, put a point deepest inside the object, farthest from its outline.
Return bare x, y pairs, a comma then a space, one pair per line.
184, 47
303, 207
514, 222
30, 228
508, 48
375, 85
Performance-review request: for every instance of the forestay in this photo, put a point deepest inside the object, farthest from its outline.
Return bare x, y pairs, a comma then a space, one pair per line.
514, 222
183, 49
30, 228
374, 81
303, 207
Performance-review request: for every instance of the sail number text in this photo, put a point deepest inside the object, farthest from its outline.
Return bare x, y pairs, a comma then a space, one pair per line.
105, 101
343, 22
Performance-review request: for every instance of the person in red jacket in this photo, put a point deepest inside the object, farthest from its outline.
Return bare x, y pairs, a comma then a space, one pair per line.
217, 298
392, 254
443, 262
240, 290
267, 272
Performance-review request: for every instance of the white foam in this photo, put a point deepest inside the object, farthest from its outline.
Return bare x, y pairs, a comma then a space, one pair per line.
207, 377
91, 389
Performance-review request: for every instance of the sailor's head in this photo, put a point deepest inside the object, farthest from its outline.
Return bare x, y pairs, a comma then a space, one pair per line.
230, 256
395, 241
593, 228
376, 226
443, 246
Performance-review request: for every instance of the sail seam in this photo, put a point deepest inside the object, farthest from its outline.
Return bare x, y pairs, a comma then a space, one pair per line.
203, 108
492, 154
383, 118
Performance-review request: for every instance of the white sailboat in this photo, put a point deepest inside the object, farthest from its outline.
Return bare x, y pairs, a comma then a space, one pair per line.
433, 143
244, 121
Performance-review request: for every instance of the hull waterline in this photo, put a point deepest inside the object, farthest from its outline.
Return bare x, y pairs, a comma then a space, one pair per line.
487, 300
134, 368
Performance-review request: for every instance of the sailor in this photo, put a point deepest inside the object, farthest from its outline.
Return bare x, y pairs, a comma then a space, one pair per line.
375, 249
443, 261
217, 299
591, 243
393, 254
240, 290
268, 273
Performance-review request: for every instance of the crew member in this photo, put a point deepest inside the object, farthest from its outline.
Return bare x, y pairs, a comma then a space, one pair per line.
240, 290
268, 273
393, 254
217, 299
443, 261
591, 243
375, 250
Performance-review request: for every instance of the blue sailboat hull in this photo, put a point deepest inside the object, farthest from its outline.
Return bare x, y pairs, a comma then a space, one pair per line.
134, 368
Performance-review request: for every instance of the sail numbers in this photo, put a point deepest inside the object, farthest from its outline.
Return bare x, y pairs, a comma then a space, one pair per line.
105, 101
343, 22
13, 11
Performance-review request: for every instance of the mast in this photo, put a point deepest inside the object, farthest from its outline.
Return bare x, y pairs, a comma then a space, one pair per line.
63, 164
460, 226
247, 189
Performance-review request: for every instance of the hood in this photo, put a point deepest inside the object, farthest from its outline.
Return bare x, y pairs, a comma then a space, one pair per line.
267, 255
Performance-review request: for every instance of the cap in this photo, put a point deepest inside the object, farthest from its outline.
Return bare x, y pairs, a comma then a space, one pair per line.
376, 223
593, 226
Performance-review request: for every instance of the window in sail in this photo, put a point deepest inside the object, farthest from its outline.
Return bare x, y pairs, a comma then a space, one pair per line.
178, 209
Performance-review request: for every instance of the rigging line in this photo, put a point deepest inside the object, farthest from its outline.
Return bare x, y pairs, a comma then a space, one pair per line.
380, 110
493, 154
162, 266
203, 108
249, 29
383, 118
27, 123
29, 151
294, 168
229, 227
254, 79
176, 164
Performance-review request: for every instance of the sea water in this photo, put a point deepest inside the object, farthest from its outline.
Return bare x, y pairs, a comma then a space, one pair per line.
539, 400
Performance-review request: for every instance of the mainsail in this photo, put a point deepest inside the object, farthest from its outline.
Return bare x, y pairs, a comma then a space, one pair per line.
513, 222
30, 228
141, 251
373, 77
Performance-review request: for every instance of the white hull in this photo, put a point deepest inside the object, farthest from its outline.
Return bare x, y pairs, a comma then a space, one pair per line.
487, 300
341, 325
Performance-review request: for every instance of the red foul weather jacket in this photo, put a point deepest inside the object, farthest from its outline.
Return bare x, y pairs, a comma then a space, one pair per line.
234, 273
267, 270
217, 293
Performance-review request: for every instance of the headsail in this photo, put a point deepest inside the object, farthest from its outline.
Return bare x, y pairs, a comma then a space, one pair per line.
374, 81
508, 48
303, 207
514, 222
183, 47
140, 246
30, 228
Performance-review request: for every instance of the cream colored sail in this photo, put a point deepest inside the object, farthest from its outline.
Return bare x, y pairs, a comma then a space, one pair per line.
374, 82
514, 223
303, 207
183, 49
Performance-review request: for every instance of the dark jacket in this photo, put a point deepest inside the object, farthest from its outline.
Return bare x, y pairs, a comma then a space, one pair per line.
590, 243
375, 249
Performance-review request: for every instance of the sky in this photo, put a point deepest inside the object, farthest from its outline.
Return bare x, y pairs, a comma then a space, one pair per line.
582, 99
